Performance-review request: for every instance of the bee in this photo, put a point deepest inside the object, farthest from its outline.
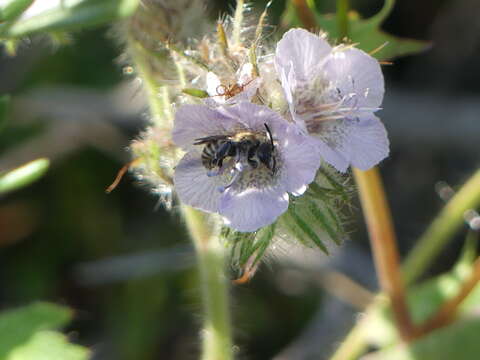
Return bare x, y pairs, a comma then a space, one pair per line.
254, 148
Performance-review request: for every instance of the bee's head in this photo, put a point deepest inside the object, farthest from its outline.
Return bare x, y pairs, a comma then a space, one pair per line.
266, 155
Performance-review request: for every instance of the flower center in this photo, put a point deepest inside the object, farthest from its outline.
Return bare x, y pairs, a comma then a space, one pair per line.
320, 102
244, 159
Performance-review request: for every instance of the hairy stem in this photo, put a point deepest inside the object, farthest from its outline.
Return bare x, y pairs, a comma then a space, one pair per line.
237, 23
384, 247
156, 105
216, 334
442, 229
216, 341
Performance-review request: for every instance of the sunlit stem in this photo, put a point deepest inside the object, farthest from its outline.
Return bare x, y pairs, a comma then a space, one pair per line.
352, 347
442, 229
384, 247
216, 337
343, 7
448, 311
429, 245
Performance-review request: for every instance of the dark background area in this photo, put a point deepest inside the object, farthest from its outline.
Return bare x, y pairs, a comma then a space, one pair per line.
125, 264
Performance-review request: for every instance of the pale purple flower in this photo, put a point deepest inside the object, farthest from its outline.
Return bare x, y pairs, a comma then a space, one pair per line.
248, 197
332, 93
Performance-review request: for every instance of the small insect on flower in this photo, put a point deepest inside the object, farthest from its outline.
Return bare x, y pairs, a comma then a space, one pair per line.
232, 90
242, 162
242, 88
332, 93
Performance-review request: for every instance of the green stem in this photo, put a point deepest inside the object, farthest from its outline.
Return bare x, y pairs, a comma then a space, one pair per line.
156, 105
343, 7
442, 229
216, 340
355, 344
217, 343
384, 245
429, 245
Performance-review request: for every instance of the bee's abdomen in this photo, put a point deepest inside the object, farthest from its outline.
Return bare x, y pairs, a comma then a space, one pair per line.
208, 154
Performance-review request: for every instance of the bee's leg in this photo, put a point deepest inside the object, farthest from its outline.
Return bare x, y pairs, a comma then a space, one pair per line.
215, 172
274, 165
232, 181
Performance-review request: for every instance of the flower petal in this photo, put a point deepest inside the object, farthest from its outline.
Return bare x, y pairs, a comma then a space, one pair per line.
254, 117
213, 82
357, 76
196, 121
361, 142
301, 161
332, 155
192, 184
252, 209
301, 51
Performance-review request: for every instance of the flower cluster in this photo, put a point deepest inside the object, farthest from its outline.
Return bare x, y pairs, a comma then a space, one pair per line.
254, 124
331, 93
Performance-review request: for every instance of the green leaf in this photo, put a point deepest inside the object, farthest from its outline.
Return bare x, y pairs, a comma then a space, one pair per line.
25, 334
4, 105
196, 92
23, 175
423, 300
19, 325
48, 345
366, 33
10, 9
66, 15
307, 230
458, 341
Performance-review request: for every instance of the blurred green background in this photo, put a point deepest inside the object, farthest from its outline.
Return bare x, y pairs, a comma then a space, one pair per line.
125, 265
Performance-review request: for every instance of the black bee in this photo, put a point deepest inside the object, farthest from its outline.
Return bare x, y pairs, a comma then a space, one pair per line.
256, 148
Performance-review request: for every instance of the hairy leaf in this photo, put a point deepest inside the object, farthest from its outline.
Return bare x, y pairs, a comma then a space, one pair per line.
246, 246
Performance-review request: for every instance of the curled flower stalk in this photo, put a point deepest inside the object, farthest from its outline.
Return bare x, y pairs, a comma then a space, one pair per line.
251, 139
255, 132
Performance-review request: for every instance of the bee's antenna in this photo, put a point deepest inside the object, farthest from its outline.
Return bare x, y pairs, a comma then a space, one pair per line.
269, 135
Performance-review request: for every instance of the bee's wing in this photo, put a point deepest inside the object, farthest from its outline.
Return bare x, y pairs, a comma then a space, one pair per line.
207, 139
